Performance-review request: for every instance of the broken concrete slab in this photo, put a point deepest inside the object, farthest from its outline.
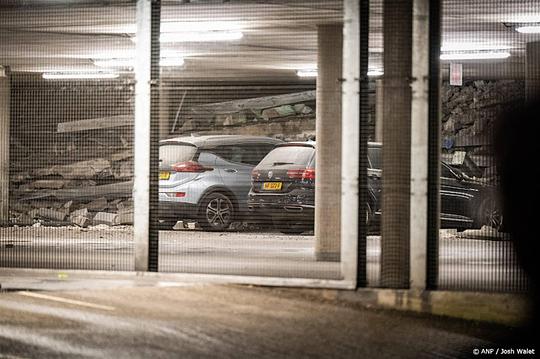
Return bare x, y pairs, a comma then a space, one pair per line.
90, 169
110, 191
48, 184
257, 103
179, 226
121, 156
96, 123
48, 213
68, 205
81, 221
486, 232
125, 205
123, 171
104, 218
463, 161
281, 111
124, 218
97, 205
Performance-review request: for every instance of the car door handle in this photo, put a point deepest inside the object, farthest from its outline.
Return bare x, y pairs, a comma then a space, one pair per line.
230, 170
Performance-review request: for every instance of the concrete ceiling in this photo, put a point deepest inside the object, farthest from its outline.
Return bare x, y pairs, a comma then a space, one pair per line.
279, 35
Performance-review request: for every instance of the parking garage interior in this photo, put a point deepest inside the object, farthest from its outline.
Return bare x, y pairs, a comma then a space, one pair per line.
230, 72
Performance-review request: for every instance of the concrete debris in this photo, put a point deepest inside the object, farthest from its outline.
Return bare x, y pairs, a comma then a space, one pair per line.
97, 205
127, 204
80, 221
258, 103
48, 184
121, 156
486, 232
463, 161
48, 213
469, 112
124, 218
105, 218
96, 123
281, 111
123, 171
179, 226
96, 168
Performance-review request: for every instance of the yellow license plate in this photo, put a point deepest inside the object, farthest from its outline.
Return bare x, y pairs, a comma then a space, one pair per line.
163, 175
272, 186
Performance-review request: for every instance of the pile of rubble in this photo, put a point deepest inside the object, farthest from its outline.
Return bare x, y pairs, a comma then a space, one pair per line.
83, 193
469, 112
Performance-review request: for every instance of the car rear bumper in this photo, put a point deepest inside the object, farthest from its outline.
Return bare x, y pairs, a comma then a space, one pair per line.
283, 206
176, 211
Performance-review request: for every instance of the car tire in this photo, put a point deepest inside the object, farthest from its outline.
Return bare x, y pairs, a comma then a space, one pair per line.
489, 214
216, 212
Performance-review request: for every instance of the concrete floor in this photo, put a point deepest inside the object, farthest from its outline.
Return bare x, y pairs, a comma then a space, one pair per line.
196, 321
471, 264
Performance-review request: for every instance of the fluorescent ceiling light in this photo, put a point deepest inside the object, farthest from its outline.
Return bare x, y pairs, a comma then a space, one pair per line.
459, 46
375, 73
78, 76
529, 29
521, 18
476, 56
306, 73
171, 62
200, 36
165, 62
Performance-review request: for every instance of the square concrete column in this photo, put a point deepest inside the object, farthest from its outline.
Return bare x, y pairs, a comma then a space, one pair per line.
164, 113
5, 94
328, 134
146, 135
396, 154
532, 71
379, 110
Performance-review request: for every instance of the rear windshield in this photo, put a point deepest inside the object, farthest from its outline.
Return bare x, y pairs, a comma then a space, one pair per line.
288, 155
171, 154
375, 157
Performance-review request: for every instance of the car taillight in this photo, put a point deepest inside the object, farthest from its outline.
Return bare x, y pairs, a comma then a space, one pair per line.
190, 166
295, 173
176, 194
309, 174
255, 174
305, 174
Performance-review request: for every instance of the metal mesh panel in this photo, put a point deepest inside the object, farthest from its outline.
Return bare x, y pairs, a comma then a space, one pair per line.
483, 77
236, 97
69, 136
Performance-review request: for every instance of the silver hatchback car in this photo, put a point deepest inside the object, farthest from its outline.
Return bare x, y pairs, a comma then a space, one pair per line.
208, 178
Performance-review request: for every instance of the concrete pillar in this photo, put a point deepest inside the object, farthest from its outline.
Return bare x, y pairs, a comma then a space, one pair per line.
146, 132
5, 94
419, 144
379, 110
396, 143
532, 71
350, 146
164, 111
328, 133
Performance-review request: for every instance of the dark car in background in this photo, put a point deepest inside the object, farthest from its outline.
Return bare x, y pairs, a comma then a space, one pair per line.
207, 178
283, 190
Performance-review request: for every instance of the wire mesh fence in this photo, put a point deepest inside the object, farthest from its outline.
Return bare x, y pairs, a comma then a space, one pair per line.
247, 96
